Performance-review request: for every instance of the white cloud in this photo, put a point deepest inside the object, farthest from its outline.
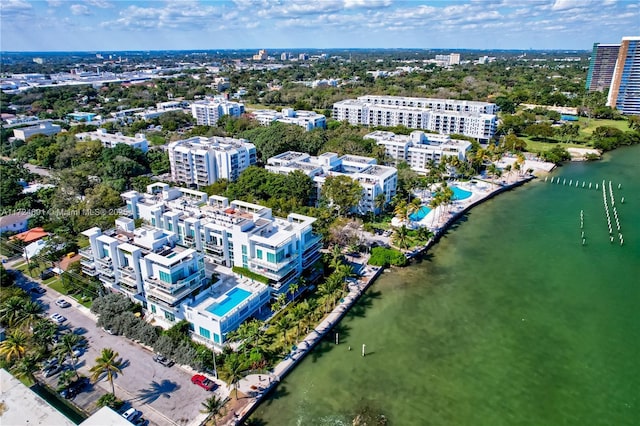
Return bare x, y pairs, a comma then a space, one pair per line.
569, 4
79, 9
54, 3
14, 8
102, 4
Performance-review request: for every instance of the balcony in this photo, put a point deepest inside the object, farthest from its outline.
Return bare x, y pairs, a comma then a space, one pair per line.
86, 253
167, 297
274, 266
91, 272
308, 261
88, 264
127, 271
107, 279
104, 261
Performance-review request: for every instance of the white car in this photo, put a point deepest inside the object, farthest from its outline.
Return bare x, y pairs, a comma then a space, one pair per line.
132, 414
62, 303
57, 318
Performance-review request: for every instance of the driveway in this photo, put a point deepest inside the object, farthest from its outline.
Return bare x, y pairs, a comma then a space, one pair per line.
164, 395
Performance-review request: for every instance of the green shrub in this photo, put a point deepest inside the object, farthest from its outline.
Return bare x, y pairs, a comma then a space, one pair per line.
381, 256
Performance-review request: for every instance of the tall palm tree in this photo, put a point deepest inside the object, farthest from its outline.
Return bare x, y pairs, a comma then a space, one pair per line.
283, 324
379, 202
107, 363
212, 406
293, 289
15, 346
400, 237
233, 368
66, 347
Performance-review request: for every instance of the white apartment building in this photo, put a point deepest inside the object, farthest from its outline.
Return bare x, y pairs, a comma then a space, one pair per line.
418, 149
373, 178
207, 113
110, 140
308, 120
45, 128
200, 161
232, 234
474, 119
169, 280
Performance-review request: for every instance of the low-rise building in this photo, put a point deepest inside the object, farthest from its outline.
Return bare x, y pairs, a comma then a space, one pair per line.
110, 140
46, 128
207, 113
419, 149
308, 120
16, 222
373, 178
200, 161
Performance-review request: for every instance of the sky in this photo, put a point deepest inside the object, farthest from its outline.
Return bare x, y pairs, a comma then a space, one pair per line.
111, 25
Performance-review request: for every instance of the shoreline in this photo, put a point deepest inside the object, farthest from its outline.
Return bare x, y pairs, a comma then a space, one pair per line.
252, 385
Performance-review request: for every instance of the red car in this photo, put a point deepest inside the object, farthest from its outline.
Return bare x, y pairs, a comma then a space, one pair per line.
203, 382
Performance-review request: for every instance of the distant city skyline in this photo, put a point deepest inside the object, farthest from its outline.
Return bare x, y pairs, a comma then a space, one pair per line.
103, 25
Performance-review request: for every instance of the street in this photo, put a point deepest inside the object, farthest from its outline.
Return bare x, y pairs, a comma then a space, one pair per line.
165, 395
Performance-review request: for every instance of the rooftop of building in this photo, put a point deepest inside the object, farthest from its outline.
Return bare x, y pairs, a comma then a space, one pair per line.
214, 143
14, 218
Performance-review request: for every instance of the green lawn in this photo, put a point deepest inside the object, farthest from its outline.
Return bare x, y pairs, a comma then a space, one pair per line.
588, 126
56, 284
538, 146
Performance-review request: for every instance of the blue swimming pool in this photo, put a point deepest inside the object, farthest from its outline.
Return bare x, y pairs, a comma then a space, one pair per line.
231, 299
419, 214
460, 194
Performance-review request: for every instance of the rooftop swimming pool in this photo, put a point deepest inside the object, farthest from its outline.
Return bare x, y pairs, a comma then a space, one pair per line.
419, 214
460, 194
231, 299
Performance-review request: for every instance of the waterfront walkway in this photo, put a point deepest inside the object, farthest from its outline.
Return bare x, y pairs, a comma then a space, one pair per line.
255, 387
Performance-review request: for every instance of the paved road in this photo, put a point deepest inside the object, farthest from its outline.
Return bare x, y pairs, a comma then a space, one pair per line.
165, 395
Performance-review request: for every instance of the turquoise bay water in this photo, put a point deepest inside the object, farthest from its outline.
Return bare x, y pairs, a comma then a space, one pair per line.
509, 320
232, 299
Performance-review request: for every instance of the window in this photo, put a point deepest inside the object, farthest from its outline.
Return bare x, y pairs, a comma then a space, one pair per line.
170, 226
192, 327
105, 252
271, 257
153, 309
165, 277
259, 253
244, 249
168, 315
216, 338
205, 333
153, 221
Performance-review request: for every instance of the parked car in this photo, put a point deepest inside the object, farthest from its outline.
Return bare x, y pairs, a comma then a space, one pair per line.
37, 290
203, 382
62, 303
57, 318
108, 331
46, 274
132, 414
75, 388
50, 363
54, 369
163, 360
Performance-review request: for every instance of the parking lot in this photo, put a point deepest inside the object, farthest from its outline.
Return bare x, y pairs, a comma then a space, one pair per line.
165, 395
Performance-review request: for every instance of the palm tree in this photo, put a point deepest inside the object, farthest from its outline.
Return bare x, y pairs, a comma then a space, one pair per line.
379, 202
24, 368
65, 379
65, 348
15, 346
212, 406
400, 237
43, 333
293, 289
30, 313
283, 324
10, 310
234, 367
109, 363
